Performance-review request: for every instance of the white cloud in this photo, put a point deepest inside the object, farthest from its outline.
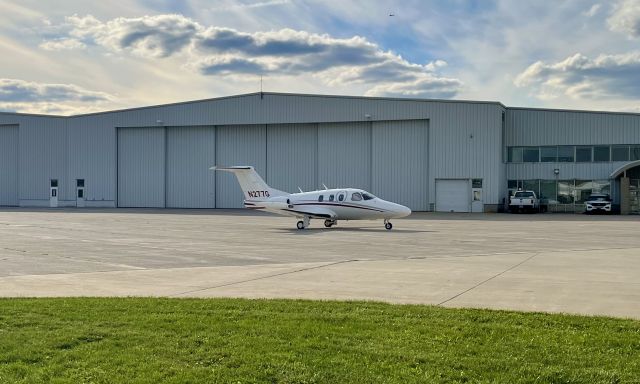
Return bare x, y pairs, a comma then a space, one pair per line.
580, 77
28, 96
225, 52
626, 18
424, 87
62, 44
595, 8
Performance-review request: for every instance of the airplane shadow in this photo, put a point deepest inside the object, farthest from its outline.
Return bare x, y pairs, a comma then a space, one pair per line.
315, 231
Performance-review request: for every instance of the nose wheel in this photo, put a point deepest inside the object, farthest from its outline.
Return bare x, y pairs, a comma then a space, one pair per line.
388, 225
302, 224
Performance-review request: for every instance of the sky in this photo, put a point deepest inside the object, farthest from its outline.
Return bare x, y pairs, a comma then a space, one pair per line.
77, 56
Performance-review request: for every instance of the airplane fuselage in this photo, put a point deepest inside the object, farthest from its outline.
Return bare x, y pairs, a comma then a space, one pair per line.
329, 205
333, 204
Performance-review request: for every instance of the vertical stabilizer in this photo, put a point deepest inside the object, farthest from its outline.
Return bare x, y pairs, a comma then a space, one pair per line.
252, 185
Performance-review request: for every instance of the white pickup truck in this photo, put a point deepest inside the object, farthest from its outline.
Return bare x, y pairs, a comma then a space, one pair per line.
525, 201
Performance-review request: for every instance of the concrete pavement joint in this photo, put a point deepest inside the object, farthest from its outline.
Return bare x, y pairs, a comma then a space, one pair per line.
264, 277
489, 279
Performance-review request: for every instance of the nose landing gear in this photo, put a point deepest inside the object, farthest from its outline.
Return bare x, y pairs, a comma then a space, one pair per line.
387, 224
302, 224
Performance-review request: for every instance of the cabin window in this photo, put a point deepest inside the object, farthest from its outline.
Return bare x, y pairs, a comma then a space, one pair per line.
321, 197
340, 197
331, 197
356, 196
367, 196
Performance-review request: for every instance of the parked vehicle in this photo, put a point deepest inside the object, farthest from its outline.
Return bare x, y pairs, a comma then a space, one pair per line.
526, 201
598, 203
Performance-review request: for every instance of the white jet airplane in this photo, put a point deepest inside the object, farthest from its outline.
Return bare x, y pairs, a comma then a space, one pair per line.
329, 204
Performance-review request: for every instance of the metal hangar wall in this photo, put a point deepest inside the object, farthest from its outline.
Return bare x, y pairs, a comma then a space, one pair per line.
159, 156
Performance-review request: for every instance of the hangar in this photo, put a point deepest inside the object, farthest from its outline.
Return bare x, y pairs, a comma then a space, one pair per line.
430, 155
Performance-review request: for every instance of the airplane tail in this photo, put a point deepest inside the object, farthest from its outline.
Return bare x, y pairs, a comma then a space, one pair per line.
253, 187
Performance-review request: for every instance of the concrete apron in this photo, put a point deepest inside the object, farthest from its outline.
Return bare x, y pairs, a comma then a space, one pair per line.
588, 282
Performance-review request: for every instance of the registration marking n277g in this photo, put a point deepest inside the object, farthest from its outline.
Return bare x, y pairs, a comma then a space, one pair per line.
255, 194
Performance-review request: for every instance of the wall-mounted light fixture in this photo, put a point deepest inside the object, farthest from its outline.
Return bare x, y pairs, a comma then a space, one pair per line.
556, 171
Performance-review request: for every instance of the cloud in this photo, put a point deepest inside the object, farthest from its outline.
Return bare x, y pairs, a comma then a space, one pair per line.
147, 36
593, 10
626, 18
581, 77
62, 44
26, 96
223, 52
425, 87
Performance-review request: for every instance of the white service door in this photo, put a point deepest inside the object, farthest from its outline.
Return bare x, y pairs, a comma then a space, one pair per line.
453, 195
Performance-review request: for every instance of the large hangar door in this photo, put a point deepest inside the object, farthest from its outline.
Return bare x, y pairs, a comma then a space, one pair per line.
238, 145
141, 167
453, 195
291, 156
9, 165
344, 155
399, 158
190, 153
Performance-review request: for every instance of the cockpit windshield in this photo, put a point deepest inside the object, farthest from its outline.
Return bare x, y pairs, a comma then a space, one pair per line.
367, 196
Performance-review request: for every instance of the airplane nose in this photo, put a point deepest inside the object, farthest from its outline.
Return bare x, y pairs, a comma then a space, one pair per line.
404, 211
401, 211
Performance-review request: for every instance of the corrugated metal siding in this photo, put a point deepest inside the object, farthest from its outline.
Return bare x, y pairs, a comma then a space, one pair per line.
581, 171
92, 157
238, 145
292, 156
43, 156
465, 143
400, 162
344, 155
531, 127
141, 167
89, 141
190, 153
542, 127
9, 165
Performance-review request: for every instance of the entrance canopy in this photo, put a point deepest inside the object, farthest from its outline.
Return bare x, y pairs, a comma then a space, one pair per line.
625, 167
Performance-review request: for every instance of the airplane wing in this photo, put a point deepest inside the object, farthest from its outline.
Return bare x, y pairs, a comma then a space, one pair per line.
310, 210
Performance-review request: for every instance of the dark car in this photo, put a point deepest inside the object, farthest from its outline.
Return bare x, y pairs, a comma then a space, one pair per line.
598, 202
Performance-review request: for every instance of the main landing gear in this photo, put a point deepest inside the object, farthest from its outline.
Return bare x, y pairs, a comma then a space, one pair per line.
302, 224
387, 224
330, 223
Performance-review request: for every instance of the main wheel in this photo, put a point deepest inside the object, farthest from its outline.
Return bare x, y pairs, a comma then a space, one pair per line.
388, 225
300, 224
328, 223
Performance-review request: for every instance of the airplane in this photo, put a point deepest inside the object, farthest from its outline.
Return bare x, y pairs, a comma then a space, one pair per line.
328, 204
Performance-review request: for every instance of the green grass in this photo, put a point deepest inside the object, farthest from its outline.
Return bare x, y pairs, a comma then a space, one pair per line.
143, 340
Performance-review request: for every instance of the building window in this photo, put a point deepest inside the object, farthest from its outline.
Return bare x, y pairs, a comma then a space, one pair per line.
565, 192
601, 153
620, 153
583, 190
531, 155
548, 154
602, 186
515, 154
548, 191
566, 154
531, 185
476, 183
584, 154
635, 153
